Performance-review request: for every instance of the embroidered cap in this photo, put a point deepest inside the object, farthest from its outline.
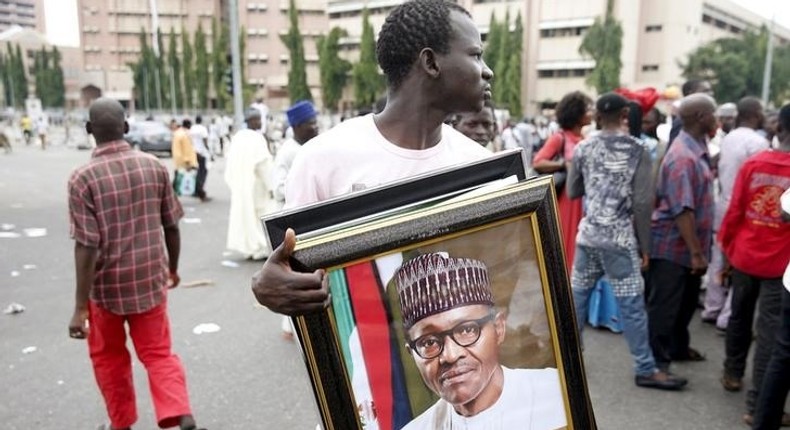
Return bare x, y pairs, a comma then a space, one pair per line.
434, 283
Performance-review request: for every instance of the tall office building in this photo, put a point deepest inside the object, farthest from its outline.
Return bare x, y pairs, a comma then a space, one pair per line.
22, 13
656, 36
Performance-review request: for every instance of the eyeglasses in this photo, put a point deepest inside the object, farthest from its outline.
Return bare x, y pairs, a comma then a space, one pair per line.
464, 334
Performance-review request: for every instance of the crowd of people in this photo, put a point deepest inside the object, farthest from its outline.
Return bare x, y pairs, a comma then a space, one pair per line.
644, 212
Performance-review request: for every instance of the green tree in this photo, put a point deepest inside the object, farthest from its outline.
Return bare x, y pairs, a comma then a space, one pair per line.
502, 62
247, 90
58, 81
368, 83
734, 67
493, 42
144, 73
188, 67
162, 72
174, 68
297, 73
4, 81
333, 69
48, 76
201, 68
18, 75
220, 37
603, 41
512, 95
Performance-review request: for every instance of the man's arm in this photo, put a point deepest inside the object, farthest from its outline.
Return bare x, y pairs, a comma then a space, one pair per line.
686, 223
85, 266
575, 180
644, 195
173, 245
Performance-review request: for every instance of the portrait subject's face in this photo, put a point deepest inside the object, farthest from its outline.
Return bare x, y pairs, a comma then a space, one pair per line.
468, 377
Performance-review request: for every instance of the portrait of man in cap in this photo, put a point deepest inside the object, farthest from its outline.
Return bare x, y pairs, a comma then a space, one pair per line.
453, 332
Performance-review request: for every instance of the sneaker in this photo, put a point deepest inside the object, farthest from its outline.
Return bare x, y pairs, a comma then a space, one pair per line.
731, 383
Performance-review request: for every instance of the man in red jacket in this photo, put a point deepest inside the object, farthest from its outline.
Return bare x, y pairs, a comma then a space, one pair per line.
756, 242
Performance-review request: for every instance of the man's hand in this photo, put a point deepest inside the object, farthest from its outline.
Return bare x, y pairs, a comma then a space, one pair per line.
645, 261
78, 326
174, 280
699, 264
284, 291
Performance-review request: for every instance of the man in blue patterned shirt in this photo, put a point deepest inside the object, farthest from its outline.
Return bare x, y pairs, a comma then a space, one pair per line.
682, 228
613, 172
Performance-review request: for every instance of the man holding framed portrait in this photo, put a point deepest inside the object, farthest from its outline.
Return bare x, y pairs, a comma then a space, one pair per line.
453, 332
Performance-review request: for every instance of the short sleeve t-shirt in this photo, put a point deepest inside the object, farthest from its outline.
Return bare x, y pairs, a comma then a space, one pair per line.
354, 155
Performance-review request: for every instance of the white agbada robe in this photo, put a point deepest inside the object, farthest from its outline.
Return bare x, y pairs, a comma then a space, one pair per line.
247, 173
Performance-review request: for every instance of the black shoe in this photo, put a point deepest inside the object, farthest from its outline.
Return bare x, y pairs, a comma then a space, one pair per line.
661, 380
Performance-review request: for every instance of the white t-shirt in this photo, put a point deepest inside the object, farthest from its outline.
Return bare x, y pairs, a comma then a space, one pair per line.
354, 155
531, 399
198, 134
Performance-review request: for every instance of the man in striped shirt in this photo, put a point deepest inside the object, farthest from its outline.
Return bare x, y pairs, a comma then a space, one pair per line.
119, 203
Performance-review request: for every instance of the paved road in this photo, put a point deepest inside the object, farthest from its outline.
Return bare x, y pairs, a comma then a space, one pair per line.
244, 376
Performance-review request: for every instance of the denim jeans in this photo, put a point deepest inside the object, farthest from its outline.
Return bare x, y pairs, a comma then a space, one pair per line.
622, 267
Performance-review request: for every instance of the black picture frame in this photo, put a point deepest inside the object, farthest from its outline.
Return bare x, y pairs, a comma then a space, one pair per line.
442, 182
531, 200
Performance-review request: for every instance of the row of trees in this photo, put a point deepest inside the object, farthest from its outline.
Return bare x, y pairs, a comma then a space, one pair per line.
503, 52
735, 65
334, 71
165, 79
47, 72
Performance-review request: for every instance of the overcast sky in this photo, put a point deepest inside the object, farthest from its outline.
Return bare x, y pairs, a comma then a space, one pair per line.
63, 25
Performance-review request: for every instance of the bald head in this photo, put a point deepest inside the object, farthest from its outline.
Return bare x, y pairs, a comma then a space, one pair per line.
106, 120
697, 112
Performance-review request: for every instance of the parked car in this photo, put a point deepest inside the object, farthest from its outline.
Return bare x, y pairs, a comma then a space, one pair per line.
149, 136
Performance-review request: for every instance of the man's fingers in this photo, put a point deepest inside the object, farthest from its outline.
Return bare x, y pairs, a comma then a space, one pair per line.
308, 281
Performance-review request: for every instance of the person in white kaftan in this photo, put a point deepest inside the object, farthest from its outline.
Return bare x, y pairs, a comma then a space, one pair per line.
247, 174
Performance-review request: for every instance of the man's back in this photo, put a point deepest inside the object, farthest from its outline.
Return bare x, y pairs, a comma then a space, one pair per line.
118, 203
608, 165
736, 148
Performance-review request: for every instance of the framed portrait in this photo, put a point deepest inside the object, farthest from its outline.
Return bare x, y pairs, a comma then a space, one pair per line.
457, 314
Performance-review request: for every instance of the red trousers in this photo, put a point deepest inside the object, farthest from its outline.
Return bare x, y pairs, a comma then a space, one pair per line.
112, 365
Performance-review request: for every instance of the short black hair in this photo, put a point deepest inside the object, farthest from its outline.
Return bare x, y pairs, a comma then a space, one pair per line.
408, 29
572, 108
691, 86
635, 119
186, 123
198, 119
748, 108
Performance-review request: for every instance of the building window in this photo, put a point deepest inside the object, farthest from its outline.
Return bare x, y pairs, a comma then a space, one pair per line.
563, 73
650, 68
563, 32
653, 28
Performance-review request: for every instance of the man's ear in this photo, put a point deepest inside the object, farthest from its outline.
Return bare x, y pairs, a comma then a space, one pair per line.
428, 62
88, 127
500, 325
125, 127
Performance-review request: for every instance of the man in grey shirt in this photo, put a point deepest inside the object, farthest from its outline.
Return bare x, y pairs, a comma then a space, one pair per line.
613, 172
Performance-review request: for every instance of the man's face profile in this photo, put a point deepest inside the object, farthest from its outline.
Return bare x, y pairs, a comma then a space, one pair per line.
461, 375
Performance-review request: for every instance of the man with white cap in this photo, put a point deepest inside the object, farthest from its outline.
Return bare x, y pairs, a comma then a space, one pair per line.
248, 173
453, 332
